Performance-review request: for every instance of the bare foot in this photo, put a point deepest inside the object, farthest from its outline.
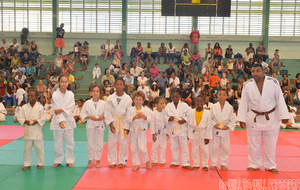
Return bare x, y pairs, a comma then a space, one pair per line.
70, 165
40, 167
98, 165
154, 163
104, 59
148, 165
195, 168
90, 164
205, 168
174, 165
187, 167
135, 168
274, 171
213, 167
121, 165
161, 164
26, 168
224, 168
55, 165
250, 169
112, 166
15, 120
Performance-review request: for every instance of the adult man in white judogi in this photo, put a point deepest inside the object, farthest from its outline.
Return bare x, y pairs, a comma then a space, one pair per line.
261, 109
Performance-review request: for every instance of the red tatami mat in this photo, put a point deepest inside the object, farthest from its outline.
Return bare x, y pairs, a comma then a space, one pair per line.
294, 141
11, 132
6, 141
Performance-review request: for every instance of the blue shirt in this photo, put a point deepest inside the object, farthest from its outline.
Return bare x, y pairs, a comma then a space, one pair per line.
188, 83
30, 71
23, 69
161, 82
129, 80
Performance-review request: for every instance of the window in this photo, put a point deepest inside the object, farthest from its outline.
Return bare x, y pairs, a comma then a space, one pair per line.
36, 15
246, 19
144, 17
284, 18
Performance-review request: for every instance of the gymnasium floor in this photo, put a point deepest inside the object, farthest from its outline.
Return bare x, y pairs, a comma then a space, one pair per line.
79, 177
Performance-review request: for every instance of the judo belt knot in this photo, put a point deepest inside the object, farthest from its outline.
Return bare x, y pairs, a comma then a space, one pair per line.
136, 129
266, 114
119, 125
176, 124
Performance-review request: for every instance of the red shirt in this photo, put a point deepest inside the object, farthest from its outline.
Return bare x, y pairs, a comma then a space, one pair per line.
196, 57
212, 80
195, 35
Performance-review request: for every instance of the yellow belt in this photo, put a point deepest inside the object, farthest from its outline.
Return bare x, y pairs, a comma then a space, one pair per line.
25, 136
136, 129
176, 124
199, 140
119, 125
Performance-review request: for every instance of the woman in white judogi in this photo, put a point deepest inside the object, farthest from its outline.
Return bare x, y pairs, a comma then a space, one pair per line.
177, 112
32, 117
3, 111
138, 117
93, 112
63, 123
199, 134
223, 121
158, 129
116, 108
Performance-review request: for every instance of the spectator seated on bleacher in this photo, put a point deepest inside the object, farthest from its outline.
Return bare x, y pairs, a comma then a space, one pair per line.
71, 81
41, 90
15, 61
25, 60
15, 44
208, 51
3, 54
251, 48
196, 60
296, 100
33, 49
5, 44
240, 68
188, 81
149, 51
275, 60
154, 91
138, 62
148, 65
10, 91
84, 57
40, 66
102, 51
261, 52
143, 88
10, 54
118, 49
135, 71
142, 79
186, 94
162, 82
260, 61
71, 63
172, 52
162, 51
248, 66
108, 77
229, 52
106, 90
186, 59
77, 50
217, 52
181, 71
175, 80
184, 47
30, 72
115, 65
109, 48
25, 48
285, 85
170, 70
58, 62
129, 82
85, 45
154, 71
207, 66
231, 94
218, 66
140, 51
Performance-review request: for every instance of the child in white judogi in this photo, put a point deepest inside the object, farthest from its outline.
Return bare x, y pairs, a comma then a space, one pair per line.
116, 107
3, 111
200, 131
20, 93
32, 117
158, 129
177, 128
17, 111
138, 118
93, 112
77, 111
96, 71
291, 124
63, 123
223, 120
49, 109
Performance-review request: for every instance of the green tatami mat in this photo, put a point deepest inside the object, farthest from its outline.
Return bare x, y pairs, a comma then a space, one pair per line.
60, 178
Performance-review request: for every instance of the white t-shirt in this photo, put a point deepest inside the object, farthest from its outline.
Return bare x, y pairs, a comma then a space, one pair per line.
145, 90
140, 80
264, 64
110, 47
176, 81
273, 56
247, 57
171, 50
22, 80
6, 45
15, 45
15, 71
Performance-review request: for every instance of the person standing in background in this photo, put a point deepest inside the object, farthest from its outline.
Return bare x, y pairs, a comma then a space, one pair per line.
195, 35
59, 41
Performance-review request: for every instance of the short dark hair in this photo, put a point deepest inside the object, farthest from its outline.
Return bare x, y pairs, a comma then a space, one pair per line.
200, 96
36, 93
121, 79
257, 65
222, 89
176, 90
276, 49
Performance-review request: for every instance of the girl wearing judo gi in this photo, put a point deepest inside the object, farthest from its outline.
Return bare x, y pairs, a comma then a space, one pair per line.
17, 111
32, 117
49, 109
200, 131
223, 120
177, 113
63, 123
3, 111
158, 129
116, 107
93, 112
138, 118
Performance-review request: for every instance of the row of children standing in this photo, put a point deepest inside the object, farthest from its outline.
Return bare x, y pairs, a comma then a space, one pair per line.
125, 117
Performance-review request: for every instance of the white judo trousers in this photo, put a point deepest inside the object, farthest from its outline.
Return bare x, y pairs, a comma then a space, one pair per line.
161, 144
59, 137
255, 139
95, 143
222, 144
39, 150
138, 145
113, 141
204, 153
183, 143
96, 74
